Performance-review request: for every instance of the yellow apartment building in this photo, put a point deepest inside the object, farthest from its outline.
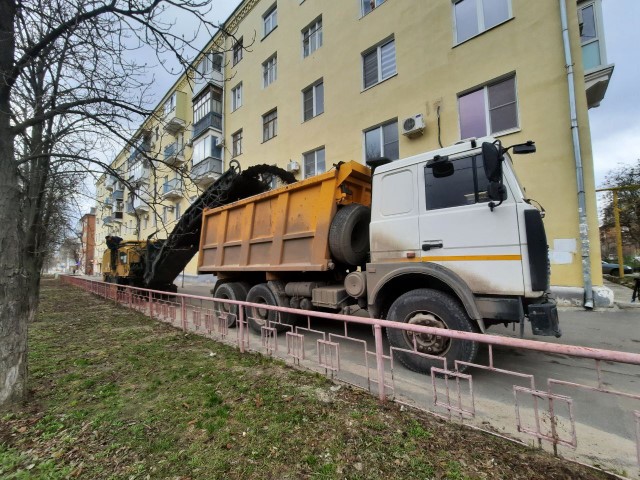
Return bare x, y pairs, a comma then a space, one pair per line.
305, 84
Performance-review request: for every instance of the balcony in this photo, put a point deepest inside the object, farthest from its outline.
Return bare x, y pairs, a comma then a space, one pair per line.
110, 182
174, 154
138, 151
108, 203
175, 113
172, 189
129, 208
214, 77
210, 120
139, 172
117, 195
141, 202
108, 220
206, 172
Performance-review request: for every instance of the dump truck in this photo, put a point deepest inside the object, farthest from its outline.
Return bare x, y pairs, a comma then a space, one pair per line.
154, 262
443, 239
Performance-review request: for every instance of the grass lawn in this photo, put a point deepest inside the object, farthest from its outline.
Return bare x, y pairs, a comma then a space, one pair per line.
117, 395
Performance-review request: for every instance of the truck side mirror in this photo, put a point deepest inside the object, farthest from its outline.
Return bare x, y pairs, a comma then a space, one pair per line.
441, 166
497, 191
492, 159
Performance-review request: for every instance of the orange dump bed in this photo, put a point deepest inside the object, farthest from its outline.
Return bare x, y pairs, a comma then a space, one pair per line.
285, 229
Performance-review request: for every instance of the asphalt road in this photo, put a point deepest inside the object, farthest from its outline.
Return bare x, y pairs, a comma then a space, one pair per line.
605, 424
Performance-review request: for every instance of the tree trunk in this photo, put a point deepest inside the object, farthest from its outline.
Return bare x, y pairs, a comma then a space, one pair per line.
14, 301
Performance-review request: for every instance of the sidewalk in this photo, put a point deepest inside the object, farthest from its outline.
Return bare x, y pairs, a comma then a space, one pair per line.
621, 295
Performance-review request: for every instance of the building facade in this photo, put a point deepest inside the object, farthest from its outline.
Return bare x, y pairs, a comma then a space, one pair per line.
307, 84
87, 233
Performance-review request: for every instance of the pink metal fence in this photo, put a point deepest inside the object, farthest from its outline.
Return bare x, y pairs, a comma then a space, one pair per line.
547, 416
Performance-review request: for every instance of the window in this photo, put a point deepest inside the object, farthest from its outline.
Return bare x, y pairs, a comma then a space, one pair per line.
269, 125
170, 104
467, 185
177, 211
146, 222
211, 101
379, 63
489, 110
382, 141
237, 51
236, 97
155, 219
312, 38
591, 46
270, 20
313, 101
475, 16
236, 143
368, 5
313, 162
204, 148
164, 214
270, 71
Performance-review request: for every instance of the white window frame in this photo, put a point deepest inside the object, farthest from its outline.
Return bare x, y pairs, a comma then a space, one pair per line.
316, 35
378, 49
306, 174
313, 88
236, 97
487, 112
379, 127
480, 17
176, 210
600, 37
170, 104
373, 3
270, 70
270, 20
236, 143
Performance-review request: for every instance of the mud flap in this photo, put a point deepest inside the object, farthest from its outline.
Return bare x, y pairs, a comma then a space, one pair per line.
544, 319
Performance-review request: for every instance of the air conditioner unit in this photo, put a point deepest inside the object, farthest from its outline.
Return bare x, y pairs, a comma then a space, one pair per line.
219, 142
293, 166
413, 126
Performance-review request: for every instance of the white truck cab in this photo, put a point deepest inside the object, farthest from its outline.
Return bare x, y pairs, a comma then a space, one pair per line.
453, 230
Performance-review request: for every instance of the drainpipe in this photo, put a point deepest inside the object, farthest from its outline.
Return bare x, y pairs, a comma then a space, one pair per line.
582, 209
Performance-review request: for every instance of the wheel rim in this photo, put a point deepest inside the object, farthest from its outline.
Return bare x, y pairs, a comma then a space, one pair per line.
424, 342
261, 315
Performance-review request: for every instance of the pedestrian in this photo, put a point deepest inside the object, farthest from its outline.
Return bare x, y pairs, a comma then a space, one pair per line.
636, 288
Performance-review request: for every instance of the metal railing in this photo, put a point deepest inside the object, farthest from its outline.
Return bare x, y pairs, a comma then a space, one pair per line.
205, 167
173, 185
563, 411
211, 119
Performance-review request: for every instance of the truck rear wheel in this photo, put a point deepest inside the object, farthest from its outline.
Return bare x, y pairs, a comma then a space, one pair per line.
349, 234
430, 308
230, 291
261, 317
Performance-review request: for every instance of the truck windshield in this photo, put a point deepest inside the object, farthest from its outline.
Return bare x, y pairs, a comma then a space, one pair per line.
467, 185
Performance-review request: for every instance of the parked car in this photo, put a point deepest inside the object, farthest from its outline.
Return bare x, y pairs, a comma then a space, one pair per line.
613, 269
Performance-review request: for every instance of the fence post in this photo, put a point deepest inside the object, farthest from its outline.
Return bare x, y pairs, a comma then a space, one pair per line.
241, 327
150, 304
377, 330
183, 309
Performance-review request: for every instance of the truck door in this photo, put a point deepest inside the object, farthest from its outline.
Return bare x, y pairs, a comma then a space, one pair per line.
394, 214
459, 231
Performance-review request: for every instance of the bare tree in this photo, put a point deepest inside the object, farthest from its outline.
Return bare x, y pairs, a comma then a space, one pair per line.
67, 89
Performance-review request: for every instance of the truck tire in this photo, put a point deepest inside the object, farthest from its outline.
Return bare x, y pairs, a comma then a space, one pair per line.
261, 317
431, 308
349, 234
230, 291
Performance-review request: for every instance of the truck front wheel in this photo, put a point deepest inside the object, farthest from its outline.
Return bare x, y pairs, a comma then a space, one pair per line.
430, 308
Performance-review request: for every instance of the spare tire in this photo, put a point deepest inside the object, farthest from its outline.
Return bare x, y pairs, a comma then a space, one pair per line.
349, 234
